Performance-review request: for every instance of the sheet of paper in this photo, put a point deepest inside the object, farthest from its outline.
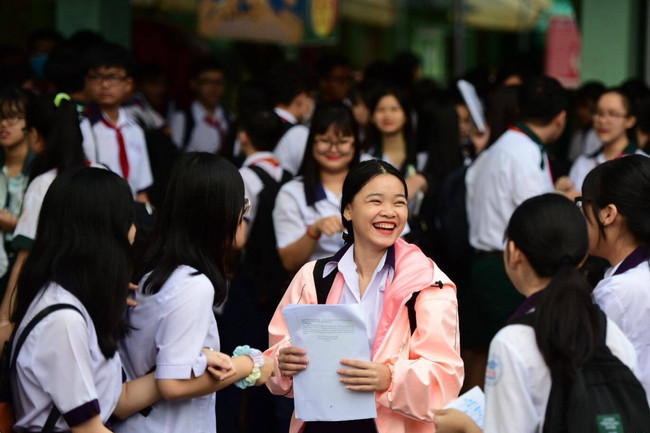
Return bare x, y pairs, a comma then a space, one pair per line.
474, 105
471, 403
328, 333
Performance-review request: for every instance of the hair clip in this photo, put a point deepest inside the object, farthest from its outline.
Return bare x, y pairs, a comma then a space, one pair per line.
60, 97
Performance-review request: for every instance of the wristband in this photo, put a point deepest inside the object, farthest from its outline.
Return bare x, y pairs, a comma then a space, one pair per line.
258, 361
314, 237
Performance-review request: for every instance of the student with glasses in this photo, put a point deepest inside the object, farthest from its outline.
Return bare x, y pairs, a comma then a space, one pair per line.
306, 216
614, 122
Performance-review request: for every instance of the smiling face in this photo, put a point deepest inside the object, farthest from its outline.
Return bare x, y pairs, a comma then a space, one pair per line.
389, 116
378, 212
333, 151
612, 118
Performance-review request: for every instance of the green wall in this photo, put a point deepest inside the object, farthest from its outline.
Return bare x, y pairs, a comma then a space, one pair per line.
111, 18
610, 40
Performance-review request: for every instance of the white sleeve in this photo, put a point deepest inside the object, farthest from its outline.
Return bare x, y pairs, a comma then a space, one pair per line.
25, 232
288, 221
88, 144
291, 148
177, 125
528, 180
509, 406
184, 329
61, 362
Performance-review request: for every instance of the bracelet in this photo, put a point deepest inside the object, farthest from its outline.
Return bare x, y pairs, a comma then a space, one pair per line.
314, 237
258, 361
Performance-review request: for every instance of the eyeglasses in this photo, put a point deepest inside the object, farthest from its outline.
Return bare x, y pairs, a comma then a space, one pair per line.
580, 201
246, 208
324, 144
111, 79
608, 115
12, 119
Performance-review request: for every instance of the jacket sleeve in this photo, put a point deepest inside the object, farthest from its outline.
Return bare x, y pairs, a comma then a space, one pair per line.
300, 291
432, 373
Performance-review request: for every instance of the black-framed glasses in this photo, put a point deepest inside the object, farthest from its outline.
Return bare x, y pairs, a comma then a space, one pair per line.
324, 144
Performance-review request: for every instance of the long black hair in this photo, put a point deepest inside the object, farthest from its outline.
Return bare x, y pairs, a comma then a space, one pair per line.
82, 244
59, 127
551, 232
625, 183
197, 222
356, 179
326, 115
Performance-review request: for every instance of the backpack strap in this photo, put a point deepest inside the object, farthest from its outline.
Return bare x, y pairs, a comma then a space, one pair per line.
410, 306
263, 175
189, 127
54, 415
322, 283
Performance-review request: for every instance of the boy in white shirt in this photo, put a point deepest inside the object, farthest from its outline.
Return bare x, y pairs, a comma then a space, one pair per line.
114, 138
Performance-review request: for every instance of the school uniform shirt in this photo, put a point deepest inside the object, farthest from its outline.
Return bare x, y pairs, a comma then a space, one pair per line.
584, 142
510, 171
102, 147
25, 232
61, 362
372, 302
170, 328
624, 295
518, 382
209, 132
585, 163
253, 185
292, 215
290, 149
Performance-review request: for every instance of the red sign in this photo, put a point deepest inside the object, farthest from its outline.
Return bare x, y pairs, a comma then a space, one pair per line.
563, 51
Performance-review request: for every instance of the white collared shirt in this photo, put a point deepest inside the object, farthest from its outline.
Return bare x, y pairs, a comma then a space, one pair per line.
169, 330
582, 166
625, 298
292, 215
204, 137
285, 115
102, 147
372, 303
253, 185
499, 180
584, 143
26, 227
518, 381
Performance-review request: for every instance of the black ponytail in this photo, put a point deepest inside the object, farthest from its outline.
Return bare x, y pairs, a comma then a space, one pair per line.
552, 234
59, 127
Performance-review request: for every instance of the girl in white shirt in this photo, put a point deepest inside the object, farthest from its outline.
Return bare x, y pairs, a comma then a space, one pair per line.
181, 278
81, 257
306, 217
546, 242
616, 203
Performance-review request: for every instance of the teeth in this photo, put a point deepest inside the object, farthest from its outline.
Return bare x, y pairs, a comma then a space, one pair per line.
385, 226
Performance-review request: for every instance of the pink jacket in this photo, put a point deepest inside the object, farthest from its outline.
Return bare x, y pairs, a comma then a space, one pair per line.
427, 371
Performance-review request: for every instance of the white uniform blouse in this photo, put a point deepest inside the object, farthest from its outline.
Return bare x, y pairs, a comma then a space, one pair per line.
518, 382
292, 215
512, 170
25, 232
204, 137
624, 295
61, 362
253, 185
170, 328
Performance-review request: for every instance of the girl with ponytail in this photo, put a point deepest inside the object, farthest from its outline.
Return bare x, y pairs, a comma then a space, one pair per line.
546, 242
616, 204
53, 134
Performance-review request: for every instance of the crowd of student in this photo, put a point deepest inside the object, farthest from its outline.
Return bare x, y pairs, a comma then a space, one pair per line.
127, 221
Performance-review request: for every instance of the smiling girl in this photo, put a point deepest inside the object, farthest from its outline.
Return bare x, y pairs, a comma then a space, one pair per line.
613, 121
415, 365
306, 214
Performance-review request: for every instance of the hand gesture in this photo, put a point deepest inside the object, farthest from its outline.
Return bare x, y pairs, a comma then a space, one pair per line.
267, 370
327, 226
292, 360
219, 364
365, 376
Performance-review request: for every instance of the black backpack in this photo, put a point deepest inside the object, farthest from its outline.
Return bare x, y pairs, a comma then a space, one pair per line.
604, 397
8, 364
261, 267
452, 218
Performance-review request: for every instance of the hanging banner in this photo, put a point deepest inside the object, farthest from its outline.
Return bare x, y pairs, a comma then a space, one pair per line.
279, 21
563, 51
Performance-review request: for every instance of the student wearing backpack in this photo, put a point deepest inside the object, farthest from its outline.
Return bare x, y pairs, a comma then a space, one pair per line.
69, 360
617, 209
416, 366
306, 216
552, 336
